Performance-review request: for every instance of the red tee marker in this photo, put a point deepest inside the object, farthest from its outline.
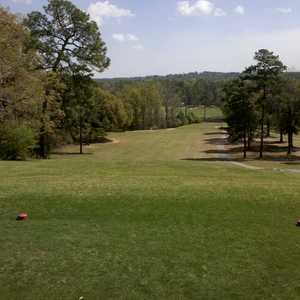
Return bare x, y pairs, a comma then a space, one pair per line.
22, 216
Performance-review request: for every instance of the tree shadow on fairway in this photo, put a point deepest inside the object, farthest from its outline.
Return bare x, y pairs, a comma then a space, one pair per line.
214, 133
292, 163
223, 151
215, 120
272, 147
216, 141
284, 160
214, 159
71, 153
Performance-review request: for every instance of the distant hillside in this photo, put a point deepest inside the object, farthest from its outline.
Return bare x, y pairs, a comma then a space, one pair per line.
211, 76
214, 76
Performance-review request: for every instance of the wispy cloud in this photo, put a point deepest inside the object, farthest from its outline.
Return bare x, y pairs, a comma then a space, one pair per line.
22, 1
101, 10
132, 37
128, 37
283, 10
219, 12
138, 47
240, 10
199, 8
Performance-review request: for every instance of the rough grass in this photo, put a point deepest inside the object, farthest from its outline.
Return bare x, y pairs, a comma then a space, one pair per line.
135, 220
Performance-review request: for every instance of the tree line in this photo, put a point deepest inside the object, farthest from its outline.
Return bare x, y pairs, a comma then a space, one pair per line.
48, 96
261, 99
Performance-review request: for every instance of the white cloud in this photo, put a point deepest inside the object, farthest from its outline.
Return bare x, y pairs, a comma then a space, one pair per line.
282, 10
240, 10
219, 12
22, 1
138, 47
200, 7
128, 37
104, 9
119, 37
132, 37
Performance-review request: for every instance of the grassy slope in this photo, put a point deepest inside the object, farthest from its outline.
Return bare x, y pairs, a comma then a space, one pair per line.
135, 221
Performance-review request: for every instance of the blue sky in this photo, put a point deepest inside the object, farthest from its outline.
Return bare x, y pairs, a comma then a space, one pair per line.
147, 37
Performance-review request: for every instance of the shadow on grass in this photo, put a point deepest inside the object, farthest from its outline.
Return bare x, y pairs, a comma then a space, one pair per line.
214, 159
215, 120
273, 148
292, 160
215, 133
284, 158
71, 153
216, 141
224, 151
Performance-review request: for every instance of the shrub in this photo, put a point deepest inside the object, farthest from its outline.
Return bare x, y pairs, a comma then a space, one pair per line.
16, 142
181, 119
190, 118
96, 135
193, 118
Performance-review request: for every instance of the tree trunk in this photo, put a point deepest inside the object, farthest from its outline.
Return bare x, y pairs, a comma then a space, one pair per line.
80, 132
290, 142
43, 135
262, 132
268, 128
249, 140
281, 136
290, 134
204, 113
42, 143
245, 144
144, 119
167, 115
80, 139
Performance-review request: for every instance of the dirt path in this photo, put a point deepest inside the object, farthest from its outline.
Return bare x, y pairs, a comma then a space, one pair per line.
227, 159
227, 156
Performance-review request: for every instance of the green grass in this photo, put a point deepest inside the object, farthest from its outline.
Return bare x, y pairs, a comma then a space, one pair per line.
135, 220
212, 112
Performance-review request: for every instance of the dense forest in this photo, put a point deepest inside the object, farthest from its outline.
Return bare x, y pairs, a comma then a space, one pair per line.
193, 76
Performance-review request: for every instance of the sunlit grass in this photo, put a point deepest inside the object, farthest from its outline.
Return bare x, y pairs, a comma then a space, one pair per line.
136, 220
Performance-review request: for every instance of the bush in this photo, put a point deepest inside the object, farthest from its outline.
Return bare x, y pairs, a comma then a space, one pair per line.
190, 118
181, 119
193, 118
96, 135
16, 142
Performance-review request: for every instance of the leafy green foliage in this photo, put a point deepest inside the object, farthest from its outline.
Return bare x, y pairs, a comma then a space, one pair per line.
288, 110
20, 84
240, 112
69, 44
66, 38
17, 142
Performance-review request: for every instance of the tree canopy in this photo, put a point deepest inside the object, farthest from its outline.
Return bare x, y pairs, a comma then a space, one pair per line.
66, 38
